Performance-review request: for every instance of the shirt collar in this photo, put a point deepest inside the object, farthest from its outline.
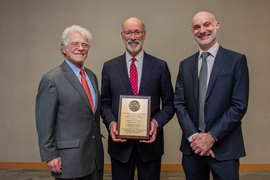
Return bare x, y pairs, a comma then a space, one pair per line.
74, 68
213, 50
139, 56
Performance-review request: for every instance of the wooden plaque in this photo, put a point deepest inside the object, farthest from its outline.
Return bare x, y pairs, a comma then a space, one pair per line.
134, 113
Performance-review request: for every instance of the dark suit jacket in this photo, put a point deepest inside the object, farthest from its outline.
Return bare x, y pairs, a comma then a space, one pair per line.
225, 105
155, 82
66, 125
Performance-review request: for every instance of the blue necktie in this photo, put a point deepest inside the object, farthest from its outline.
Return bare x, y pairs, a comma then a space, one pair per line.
202, 90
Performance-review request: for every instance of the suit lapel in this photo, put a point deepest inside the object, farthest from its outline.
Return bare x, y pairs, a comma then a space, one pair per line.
146, 72
218, 64
91, 77
71, 77
194, 73
122, 68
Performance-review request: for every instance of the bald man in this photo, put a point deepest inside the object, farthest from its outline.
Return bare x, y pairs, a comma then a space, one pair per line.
153, 79
211, 98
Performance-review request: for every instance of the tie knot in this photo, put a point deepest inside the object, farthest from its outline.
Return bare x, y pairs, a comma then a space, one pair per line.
81, 71
205, 55
133, 60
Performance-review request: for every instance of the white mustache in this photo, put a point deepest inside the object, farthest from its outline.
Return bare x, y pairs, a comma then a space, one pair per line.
133, 41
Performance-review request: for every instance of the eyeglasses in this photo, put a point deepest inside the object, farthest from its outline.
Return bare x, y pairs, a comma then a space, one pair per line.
77, 45
136, 33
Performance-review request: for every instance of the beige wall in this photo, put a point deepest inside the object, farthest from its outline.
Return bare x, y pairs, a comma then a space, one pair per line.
29, 47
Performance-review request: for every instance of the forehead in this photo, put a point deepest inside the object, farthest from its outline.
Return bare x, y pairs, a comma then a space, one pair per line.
202, 18
132, 24
76, 36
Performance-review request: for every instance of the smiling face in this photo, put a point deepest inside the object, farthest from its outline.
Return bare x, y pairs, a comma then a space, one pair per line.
204, 29
75, 55
133, 35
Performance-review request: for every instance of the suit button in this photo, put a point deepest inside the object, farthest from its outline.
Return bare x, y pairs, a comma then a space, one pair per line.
93, 137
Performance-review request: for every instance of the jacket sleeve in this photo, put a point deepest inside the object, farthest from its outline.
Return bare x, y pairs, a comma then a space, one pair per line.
180, 105
106, 99
232, 117
166, 94
46, 110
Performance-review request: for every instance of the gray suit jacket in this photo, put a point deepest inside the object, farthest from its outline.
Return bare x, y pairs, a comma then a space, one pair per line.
66, 125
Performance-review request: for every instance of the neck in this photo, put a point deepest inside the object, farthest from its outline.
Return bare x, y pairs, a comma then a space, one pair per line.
79, 65
206, 47
133, 54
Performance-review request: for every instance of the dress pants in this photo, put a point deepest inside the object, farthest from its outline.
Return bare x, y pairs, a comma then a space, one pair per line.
95, 175
146, 170
198, 168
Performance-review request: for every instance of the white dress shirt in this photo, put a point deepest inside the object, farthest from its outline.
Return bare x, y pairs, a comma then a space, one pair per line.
210, 63
138, 63
210, 60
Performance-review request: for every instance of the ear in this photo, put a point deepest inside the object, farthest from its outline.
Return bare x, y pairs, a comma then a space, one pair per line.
144, 35
122, 35
217, 25
64, 49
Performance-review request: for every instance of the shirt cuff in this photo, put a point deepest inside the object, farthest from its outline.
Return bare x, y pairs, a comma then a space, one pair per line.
155, 122
190, 137
213, 136
110, 125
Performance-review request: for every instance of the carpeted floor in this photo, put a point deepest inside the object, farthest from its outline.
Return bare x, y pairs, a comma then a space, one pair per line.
19, 174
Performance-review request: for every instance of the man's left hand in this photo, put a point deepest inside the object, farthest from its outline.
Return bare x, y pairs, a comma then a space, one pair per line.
152, 133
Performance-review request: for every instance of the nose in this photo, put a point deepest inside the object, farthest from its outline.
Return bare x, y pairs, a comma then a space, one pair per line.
80, 48
202, 30
133, 36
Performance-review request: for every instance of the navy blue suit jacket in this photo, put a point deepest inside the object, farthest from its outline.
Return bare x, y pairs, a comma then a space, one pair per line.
155, 82
225, 105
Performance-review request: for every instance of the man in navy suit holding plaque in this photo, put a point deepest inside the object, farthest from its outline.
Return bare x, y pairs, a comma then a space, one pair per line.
136, 73
211, 98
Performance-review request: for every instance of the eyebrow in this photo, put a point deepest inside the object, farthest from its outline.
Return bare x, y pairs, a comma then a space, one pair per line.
197, 25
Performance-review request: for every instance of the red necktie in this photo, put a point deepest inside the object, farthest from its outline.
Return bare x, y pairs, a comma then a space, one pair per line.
86, 89
133, 77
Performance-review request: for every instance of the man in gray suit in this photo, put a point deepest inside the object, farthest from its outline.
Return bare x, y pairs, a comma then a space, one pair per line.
68, 113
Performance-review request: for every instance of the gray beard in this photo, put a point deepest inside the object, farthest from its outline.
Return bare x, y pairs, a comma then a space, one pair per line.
139, 46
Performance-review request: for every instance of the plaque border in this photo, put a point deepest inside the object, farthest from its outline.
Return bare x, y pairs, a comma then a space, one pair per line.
148, 117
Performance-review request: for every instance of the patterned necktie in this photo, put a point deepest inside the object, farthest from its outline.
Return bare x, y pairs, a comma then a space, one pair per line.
86, 89
202, 90
133, 77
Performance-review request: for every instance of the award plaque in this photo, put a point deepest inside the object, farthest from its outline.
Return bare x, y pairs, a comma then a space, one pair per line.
134, 117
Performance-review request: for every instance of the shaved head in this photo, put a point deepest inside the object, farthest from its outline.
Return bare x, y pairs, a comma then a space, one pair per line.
133, 20
204, 28
204, 14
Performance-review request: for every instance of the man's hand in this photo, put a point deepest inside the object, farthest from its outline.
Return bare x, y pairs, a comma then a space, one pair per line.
202, 143
114, 133
152, 133
55, 165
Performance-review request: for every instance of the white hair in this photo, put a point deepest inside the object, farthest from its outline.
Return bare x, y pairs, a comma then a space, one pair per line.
73, 29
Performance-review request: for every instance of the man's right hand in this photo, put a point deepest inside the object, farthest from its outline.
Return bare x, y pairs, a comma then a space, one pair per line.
202, 143
114, 133
55, 165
